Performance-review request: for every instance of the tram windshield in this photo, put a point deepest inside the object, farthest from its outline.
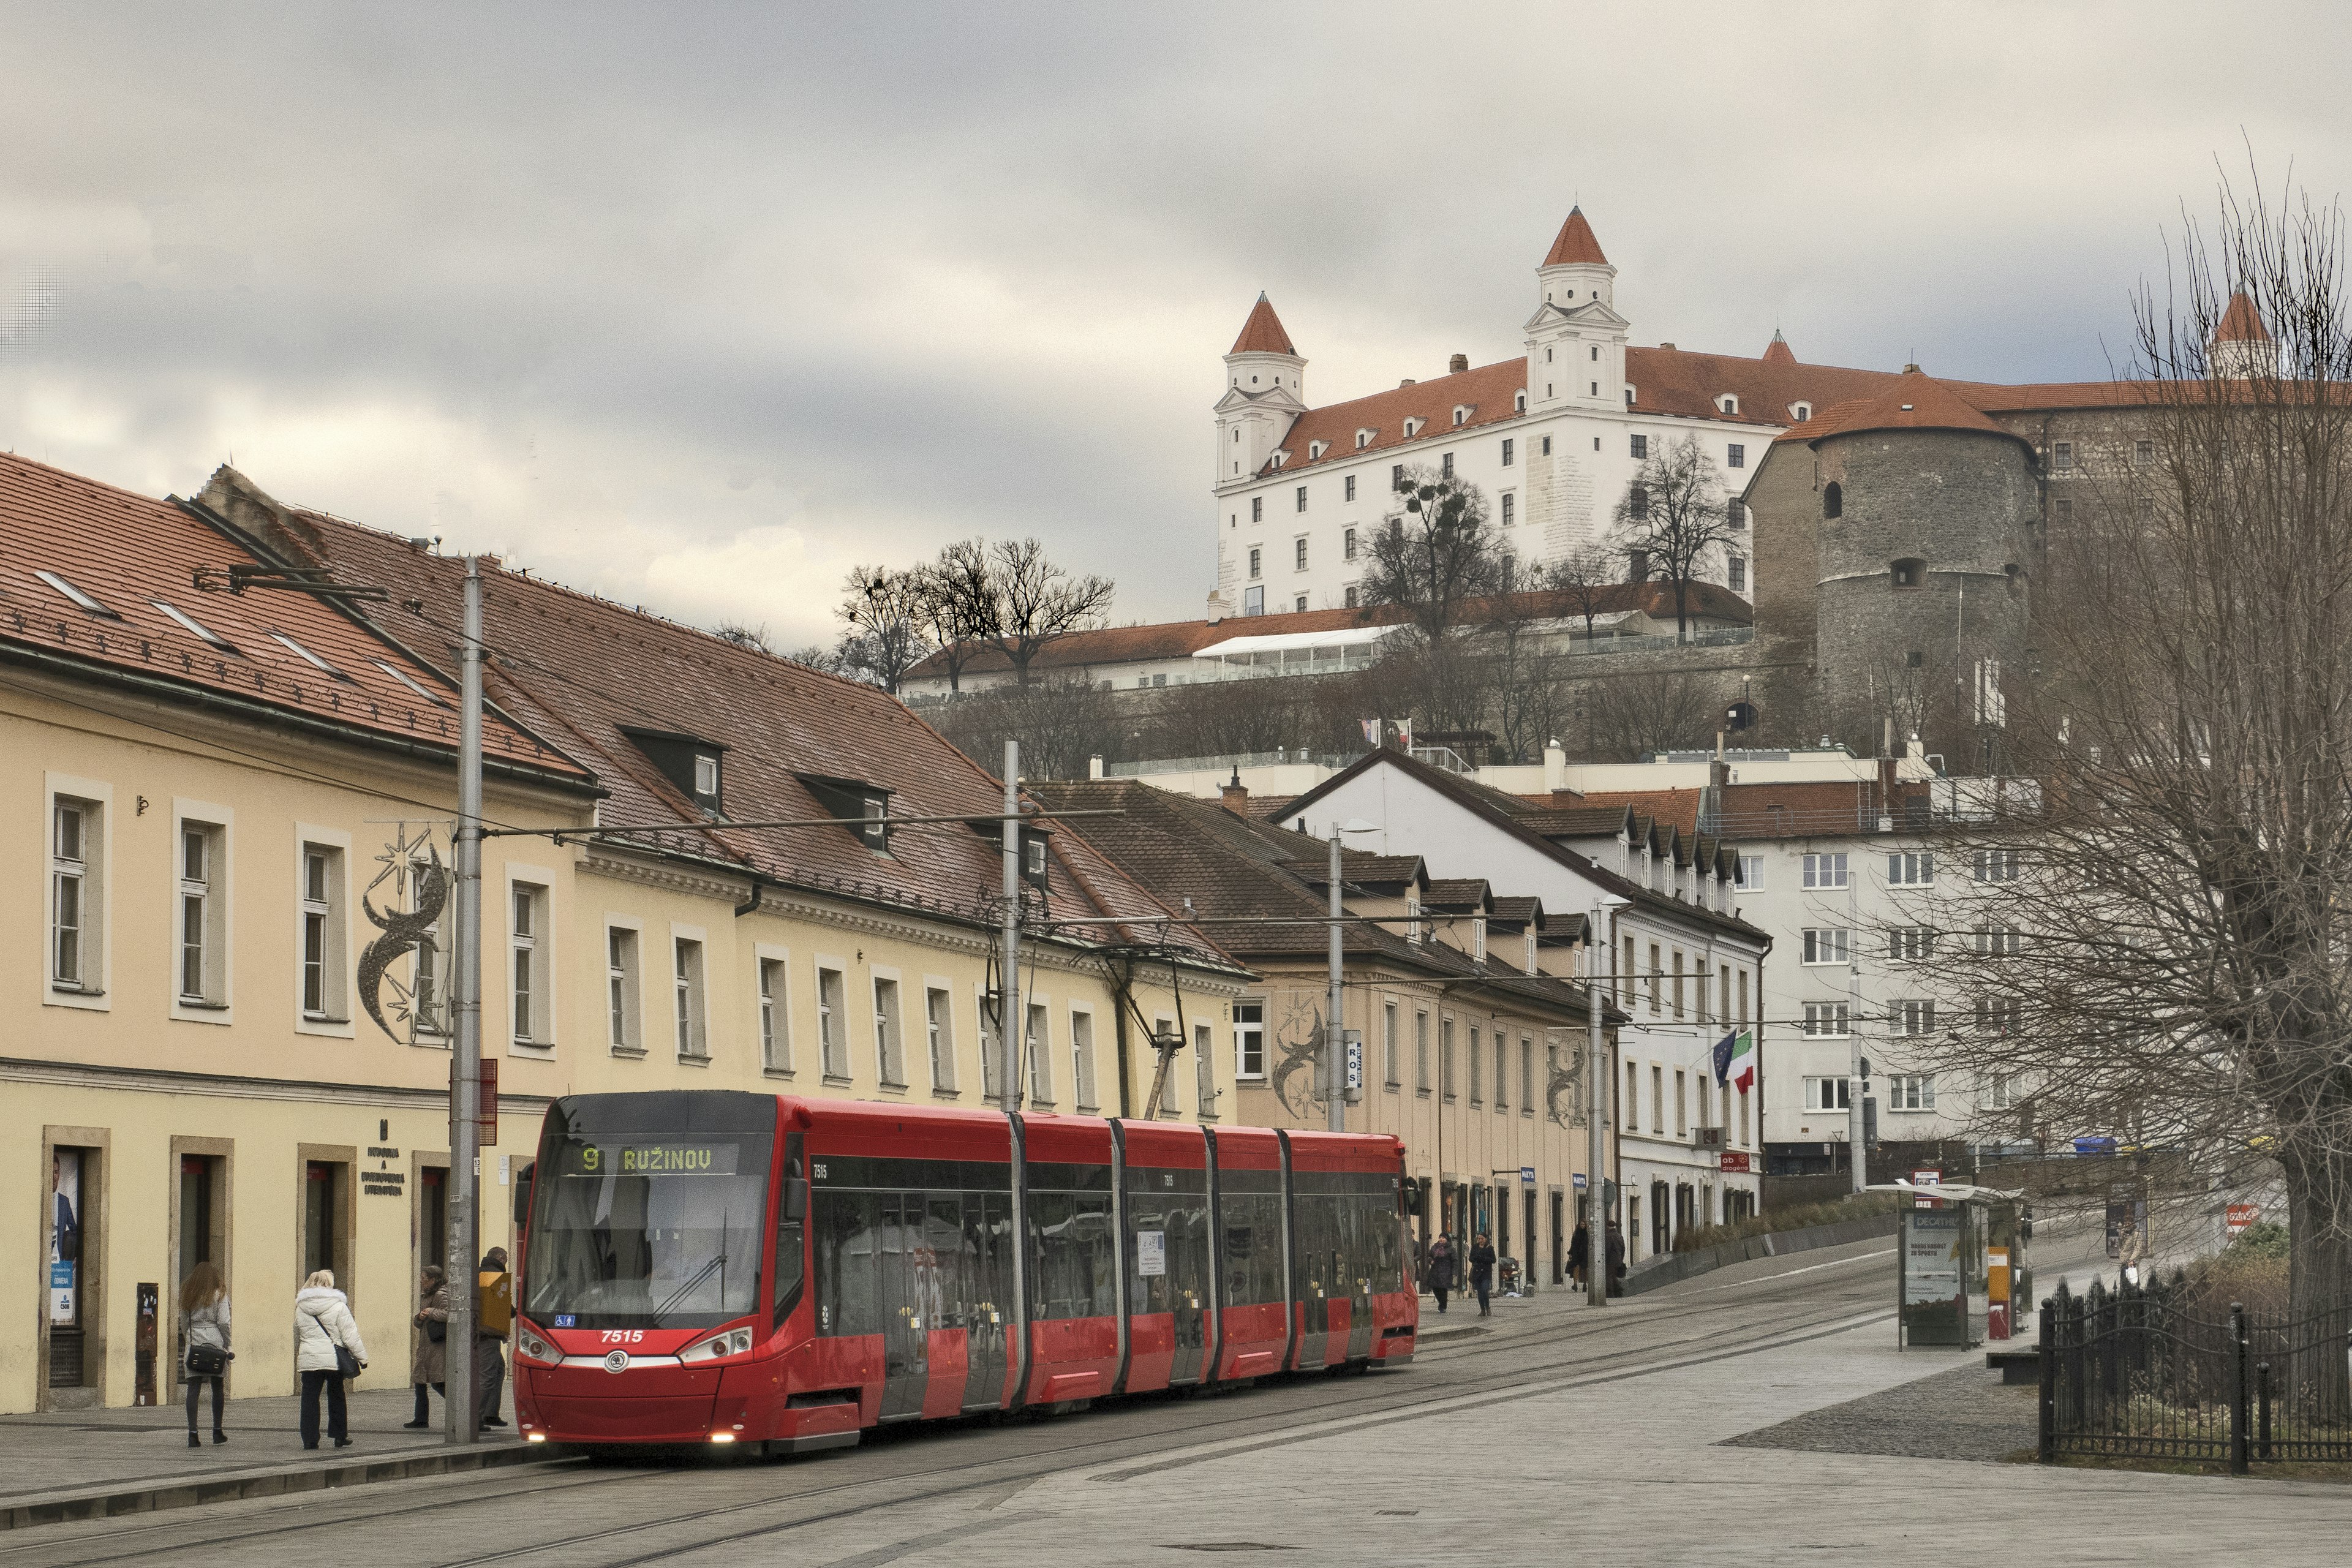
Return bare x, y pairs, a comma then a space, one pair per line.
646, 1231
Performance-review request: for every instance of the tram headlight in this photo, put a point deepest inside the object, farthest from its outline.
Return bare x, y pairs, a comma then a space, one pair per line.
528, 1346
734, 1341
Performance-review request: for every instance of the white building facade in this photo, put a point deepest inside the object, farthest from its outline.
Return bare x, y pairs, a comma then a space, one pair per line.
1553, 437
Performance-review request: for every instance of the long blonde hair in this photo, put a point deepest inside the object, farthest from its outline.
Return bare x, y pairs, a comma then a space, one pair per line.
324, 1279
202, 1286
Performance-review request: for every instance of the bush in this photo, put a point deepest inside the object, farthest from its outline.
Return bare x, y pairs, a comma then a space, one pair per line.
2252, 1271
1777, 1221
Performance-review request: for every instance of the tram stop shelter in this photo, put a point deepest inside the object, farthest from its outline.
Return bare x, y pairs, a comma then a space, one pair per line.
1961, 1266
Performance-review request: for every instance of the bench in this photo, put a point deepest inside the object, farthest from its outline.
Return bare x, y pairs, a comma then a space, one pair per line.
2017, 1365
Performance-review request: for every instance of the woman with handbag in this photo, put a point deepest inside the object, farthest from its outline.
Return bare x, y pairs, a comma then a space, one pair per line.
428, 1355
327, 1351
204, 1329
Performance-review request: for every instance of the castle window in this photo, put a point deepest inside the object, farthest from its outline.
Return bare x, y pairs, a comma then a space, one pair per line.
1735, 455
2066, 512
1640, 446
1629, 398
1298, 554
1546, 446
1518, 402
1348, 488
1637, 565
1301, 606
1257, 561
1257, 509
1914, 659
1509, 450
2016, 575
1739, 574
1314, 450
1801, 412
1445, 466
1396, 477
2062, 455
1352, 596
1510, 509
1596, 354
1348, 544
1910, 573
1364, 438
1735, 516
1412, 427
1727, 404
1302, 497
1461, 415
1833, 499
1637, 502
1237, 435
2145, 452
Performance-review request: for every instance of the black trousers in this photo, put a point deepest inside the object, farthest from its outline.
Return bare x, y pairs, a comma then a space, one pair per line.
1482, 1287
489, 1376
424, 1405
338, 1415
1439, 1291
196, 1382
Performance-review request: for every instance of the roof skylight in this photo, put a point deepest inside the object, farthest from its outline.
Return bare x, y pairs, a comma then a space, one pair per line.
403, 680
307, 654
76, 594
194, 626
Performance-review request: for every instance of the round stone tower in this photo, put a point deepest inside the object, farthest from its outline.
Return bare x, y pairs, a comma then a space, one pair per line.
1925, 506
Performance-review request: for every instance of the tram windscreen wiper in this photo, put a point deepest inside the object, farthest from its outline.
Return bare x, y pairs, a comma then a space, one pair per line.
681, 1293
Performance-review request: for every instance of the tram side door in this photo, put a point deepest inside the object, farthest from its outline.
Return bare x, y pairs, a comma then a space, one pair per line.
988, 1227
1359, 1261
906, 1338
1316, 1282
1187, 1285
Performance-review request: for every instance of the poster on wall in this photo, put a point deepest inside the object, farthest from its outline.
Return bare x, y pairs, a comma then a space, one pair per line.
65, 1237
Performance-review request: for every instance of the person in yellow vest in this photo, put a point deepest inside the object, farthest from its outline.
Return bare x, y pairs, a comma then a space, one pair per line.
493, 1318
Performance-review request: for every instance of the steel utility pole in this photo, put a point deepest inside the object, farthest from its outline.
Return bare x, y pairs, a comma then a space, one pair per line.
1010, 1023
1335, 1080
1858, 1090
466, 1005
1597, 953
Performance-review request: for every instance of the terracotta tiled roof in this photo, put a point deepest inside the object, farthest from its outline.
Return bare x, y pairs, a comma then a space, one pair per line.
587, 670
1180, 639
1490, 395
1576, 244
1916, 402
1456, 893
1675, 807
1516, 910
1778, 351
1262, 334
2242, 323
127, 553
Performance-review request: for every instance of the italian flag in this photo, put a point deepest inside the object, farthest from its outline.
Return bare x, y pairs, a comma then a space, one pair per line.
1734, 1059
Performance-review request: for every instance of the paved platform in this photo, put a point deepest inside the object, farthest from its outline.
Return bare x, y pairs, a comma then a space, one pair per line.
79, 1464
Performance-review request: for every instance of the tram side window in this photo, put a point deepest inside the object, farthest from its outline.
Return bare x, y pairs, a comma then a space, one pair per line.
1252, 1248
951, 1274
1076, 1275
848, 1236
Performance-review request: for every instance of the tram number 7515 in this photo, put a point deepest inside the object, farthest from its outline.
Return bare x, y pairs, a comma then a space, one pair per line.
620, 1336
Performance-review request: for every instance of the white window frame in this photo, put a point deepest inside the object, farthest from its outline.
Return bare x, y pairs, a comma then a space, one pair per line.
1391, 1043
772, 1007
1083, 1084
1822, 946
1911, 868
1748, 874
1910, 944
1037, 1048
95, 878
335, 1020
541, 881
629, 978
1997, 940
939, 1034
1834, 1094
1826, 869
1913, 1016
1911, 1091
689, 973
833, 1019
1204, 1072
1828, 1021
1170, 1104
888, 1011
1995, 866
214, 1003
990, 1043
1249, 1040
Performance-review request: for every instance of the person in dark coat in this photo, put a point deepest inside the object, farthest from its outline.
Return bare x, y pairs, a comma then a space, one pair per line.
1579, 1253
1482, 1271
1616, 1260
1441, 1267
429, 1352
495, 1290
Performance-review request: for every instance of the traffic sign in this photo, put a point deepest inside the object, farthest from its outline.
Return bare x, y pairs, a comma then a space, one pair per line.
2239, 1216
1578, 1181
1527, 1175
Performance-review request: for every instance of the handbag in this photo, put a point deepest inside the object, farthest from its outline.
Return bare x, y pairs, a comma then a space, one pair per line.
207, 1361
436, 1330
347, 1365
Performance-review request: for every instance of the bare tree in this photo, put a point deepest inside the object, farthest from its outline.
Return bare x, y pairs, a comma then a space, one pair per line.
1657, 710
744, 635
1060, 724
1587, 578
1038, 603
2157, 945
886, 608
1434, 552
1673, 518
1528, 697
960, 604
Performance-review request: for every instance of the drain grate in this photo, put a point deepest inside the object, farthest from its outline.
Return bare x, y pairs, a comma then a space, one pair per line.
1396, 1512
1226, 1546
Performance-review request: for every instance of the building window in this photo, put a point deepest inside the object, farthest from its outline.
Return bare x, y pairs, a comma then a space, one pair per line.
1445, 1057
1640, 445
1257, 561
1349, 595
831, 1023
1826, 1020
991, 1045
1679, 983
1657, 1098
1348, 488
1828, 945
1249, 1040
2144, 452
1507, 451
322, 923
1544, 447
1637, 502
685, 986
2062, 455
1527, 1073
1735, 455
1476, 1074
1801, 412
621, 987
1039, 1044
1737, 566
1834, 500
1257, 509
1997, 941
1747, 873
1520, 402
1254, 601
77, 944
1911, 1091
1826, 870
1632, 1108
1510, 509
1461, 418
1204, 1071
1911, 943
1681, 1104
1909, 574
1657, 979
1915, 1017
1911, 868
1298, 554
1998, 1015
2004, 1092
938, 1037
1348, 544
1302, 497
1421, 1052
1445, 466
889, 1041
533, 1024
1082, 1059
1389, 1044
1396, 477
1300, 604
1829, 1094
775, 1024
1996, 866
203, 904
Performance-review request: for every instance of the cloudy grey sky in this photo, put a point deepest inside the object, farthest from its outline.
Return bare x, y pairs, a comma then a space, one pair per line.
695, 305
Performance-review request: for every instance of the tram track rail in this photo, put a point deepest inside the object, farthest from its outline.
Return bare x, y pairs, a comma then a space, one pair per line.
1310, 1415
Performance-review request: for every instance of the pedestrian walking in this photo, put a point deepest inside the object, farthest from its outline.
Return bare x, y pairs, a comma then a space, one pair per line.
1482, 1271
1441, 1267
2133, 1254
204, 1331
327, 1350
428, 1347
493, 1316
1615, 1260
1580, 1254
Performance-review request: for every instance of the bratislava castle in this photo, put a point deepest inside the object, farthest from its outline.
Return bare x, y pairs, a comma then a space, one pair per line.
1554, 437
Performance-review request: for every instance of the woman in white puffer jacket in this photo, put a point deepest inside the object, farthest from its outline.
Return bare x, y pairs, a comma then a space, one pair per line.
322, 1322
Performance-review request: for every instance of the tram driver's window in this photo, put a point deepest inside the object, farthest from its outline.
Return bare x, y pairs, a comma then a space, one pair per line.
792, 1213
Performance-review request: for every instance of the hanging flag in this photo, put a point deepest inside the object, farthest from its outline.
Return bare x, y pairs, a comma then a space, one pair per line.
1403, 728
1372, 731
1742, 1075
1723, 1049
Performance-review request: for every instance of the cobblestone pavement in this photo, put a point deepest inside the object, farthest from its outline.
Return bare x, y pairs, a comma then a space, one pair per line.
1966, 1412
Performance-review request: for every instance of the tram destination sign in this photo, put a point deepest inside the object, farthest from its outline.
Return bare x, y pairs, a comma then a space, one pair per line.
656, 1157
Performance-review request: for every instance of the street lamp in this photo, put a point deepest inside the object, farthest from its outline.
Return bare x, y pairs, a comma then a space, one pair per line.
1600, 951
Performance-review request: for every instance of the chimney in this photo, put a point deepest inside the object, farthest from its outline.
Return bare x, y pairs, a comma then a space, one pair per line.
1665, 345
1405, 382
1095, 766
1886, 766
1457, 365
1554, 767
1235, 796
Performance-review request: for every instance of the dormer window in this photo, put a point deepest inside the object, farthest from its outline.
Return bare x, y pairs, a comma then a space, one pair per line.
1280, 459
862, 808
688, 762
194, 628
1727, 404
1801, 412
1478, 939
1629, 398
1314, 450
1032, 859
1462, 412
1520, 402
706, 772
1531, 950
1364, 438
1412, 427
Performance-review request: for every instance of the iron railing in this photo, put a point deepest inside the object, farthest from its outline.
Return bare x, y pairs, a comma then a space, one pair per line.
2149, 1374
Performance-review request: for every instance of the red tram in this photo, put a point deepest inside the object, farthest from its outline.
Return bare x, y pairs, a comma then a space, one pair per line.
724, 1268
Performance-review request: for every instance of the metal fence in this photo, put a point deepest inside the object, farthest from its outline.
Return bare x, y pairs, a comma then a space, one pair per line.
2152, 1373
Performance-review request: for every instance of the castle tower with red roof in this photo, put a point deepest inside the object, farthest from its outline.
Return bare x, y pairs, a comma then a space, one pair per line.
2241, 345
1576, 338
